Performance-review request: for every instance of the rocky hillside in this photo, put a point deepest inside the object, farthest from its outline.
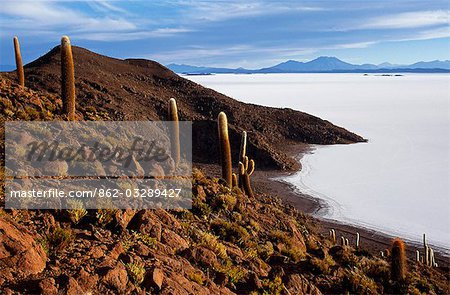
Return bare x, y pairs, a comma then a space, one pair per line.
139, 90
226, 244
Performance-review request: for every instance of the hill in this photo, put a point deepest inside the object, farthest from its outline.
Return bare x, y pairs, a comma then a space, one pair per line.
137, 89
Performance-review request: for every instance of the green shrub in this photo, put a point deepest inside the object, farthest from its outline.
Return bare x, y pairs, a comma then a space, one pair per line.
274, 287
196, 277
357, 282
236, 274
229, 231
60, 238
210, 241
136, 272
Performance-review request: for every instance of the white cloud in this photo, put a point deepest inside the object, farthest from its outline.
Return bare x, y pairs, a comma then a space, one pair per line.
30, 17
106, 6
408, 20
134, 35
224, 10
39, 15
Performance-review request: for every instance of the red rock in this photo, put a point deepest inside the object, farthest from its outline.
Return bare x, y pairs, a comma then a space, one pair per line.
47, 287
116, 251
116, 278
87, 281
205, 257
154, 279
19, 252
146, 222
142, 250
124, 217
73, 288
173, 240
96, 252
167, 219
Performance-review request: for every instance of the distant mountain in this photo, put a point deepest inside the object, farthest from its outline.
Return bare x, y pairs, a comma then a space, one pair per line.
187, 69
387, 65
435, 64
323, 64
320, 64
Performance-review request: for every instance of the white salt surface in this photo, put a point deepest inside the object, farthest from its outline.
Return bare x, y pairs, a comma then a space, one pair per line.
399, 182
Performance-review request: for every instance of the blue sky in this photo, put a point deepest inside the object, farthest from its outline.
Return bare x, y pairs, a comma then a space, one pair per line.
232, 33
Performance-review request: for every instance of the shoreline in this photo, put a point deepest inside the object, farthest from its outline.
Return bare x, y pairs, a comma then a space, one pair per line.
271, 182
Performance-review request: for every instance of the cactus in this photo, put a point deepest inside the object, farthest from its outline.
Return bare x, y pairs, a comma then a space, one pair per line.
19, 66
244, 181
427, 255
432, 262
175, 131
342, 241
333, 233
251, 167
425, 249
67, 79
357, 240
225, 149
398, 261
243, 149
247, 168
417, 256
234, 180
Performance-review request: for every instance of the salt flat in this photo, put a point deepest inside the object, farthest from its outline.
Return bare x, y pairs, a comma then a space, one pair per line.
399, 182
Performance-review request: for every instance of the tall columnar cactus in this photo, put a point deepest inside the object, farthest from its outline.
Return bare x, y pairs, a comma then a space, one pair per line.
234, 179
333, 236
417, 256
67, 79
398, 261
244, 180
225, 149
174, 131
246, 169
357, 240
19, 66
431, 257
243, 149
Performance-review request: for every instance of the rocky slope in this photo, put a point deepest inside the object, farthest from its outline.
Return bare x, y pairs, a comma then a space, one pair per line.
226, 244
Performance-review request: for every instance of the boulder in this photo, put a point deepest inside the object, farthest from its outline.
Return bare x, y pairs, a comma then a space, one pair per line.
124, 217
173, 240
154, 279
48, 287
203, 256
19, 252
116, 278
147, 223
